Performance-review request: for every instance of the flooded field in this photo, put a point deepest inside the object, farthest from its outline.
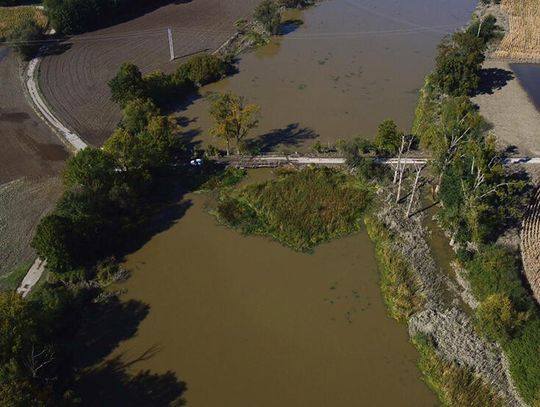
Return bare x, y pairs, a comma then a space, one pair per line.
247, 322
352, 64
529, 77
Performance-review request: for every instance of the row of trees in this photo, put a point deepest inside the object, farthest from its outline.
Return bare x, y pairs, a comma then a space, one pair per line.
129, 83
479, 200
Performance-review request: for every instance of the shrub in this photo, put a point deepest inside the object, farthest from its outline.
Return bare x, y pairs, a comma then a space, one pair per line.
497, 318
26, 37
268, 14
203, 69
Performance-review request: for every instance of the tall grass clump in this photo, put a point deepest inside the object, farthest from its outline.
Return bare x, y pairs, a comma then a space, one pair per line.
399, 284
455, 385
300, 209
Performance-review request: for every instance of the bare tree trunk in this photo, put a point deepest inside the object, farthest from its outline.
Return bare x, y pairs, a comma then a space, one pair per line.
415, 187
401, 167
399, 158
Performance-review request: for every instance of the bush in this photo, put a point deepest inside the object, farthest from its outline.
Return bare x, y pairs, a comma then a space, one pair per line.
388, 138
267, 13
497, 318
458, 64
203, 69
26, 38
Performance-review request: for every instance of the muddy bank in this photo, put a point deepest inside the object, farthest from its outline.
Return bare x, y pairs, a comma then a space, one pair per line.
506, 106
441, 318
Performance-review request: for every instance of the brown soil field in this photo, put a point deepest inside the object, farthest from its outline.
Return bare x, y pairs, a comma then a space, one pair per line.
74, 81
522, 41
28, 147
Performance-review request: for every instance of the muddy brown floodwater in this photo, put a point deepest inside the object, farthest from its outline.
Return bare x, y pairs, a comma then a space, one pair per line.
247, 322
352, 64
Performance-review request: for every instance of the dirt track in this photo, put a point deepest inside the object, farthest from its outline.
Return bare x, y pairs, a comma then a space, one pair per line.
28, 148
74, 82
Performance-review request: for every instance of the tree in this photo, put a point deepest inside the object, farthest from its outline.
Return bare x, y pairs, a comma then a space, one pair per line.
127, 85
136, 115
458, 64
268, 14
92, 169
388, 139
233, 119
26, 38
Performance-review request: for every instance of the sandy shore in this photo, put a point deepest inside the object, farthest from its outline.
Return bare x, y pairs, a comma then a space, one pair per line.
507, 107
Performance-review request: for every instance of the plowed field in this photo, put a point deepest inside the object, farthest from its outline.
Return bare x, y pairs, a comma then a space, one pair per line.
74, 81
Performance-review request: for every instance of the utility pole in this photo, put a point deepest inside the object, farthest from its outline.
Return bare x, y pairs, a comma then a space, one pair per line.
171, 45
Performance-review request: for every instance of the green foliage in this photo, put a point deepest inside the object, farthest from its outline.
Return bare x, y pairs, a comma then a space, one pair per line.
224, 179
203, 69
456, 386
10, 281
301, 209
269, 15
486, 28
76, 16
127, 85
233, 118
106, 192
388, 138
356, 153
497, 318
26, 38
494, 270
295, 3
458, 64
399, 283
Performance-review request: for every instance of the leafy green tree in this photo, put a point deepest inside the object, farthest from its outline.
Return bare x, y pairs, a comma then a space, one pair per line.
128, 84
91, 169
233, 118
498, 319
269, 15
458, 64
136, 115
388, 139
26, 38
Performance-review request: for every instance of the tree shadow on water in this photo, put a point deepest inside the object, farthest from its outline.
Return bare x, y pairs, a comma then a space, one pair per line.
110, 384
291, 135
109, 381
493, 79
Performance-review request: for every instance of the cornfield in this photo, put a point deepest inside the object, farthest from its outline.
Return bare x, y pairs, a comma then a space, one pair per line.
522, 41
12, 17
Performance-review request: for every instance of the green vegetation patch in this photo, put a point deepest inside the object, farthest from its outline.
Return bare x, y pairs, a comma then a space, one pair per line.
508, 314
224, 179
399, 284
12, 18
11, 281
300, 208
455, 385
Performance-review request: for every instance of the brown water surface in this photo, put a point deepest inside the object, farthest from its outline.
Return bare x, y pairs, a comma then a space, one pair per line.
352, 64
247, 322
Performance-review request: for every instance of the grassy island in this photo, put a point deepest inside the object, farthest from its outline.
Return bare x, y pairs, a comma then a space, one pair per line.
300, 208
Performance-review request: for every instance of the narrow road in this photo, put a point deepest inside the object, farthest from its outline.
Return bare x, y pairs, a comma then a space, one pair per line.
32, 86
277, 160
